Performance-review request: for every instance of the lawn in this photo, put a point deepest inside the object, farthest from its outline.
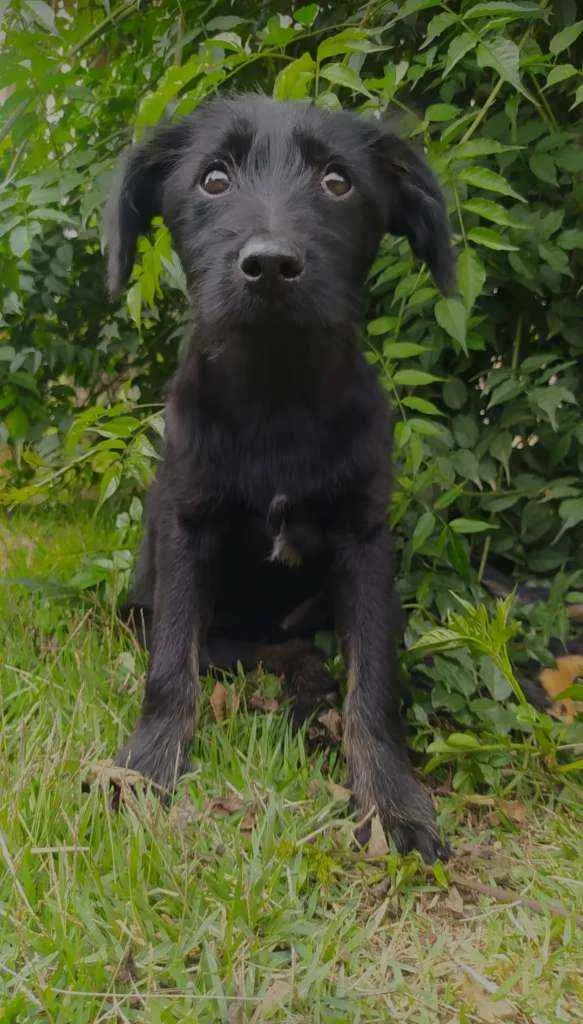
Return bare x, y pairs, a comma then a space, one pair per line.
247, 901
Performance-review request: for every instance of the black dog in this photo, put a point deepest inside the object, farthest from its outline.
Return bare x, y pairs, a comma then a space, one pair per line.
267, 520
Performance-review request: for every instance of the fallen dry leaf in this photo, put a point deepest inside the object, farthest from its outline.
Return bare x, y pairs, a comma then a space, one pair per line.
260, 702
107, 772
515, 810
377, 844
226, 805
224, 701
219, 701
248, 821
567, 669
338, 792
237, 1013
332, 722
454, 901
183, 813
275, 993
10, 542
483, 1003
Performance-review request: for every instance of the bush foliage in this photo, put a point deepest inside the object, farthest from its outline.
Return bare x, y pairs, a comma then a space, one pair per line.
486, 386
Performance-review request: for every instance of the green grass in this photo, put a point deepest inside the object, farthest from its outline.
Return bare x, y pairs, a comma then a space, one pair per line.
246, 902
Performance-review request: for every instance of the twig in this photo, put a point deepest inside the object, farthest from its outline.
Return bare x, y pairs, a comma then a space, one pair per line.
495, 892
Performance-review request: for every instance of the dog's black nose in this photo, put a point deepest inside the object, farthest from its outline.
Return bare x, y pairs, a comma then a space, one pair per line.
263, 259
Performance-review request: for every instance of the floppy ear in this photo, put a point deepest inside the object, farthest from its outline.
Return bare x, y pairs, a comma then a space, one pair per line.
138, 197
416, 209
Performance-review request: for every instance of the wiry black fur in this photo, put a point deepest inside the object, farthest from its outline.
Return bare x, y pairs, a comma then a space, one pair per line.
268, 516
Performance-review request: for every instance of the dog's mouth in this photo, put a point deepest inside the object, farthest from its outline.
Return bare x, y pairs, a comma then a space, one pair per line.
285, 300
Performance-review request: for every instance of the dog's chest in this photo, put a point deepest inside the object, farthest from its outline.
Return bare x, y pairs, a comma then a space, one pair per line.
280, 531
288, 533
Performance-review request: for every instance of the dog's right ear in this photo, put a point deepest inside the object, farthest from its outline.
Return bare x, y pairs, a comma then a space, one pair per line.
138, 197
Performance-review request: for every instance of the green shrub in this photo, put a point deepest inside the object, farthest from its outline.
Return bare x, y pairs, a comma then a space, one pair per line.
485, 386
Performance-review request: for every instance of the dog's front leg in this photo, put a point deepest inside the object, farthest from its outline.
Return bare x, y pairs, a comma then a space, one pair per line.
185, 559
380, 774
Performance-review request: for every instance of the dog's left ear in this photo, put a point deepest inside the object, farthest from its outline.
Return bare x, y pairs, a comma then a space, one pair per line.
138, 197
415, 208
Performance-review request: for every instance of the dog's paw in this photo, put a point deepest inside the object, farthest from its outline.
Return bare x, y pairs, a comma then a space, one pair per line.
422, 837
404, 807
157, 754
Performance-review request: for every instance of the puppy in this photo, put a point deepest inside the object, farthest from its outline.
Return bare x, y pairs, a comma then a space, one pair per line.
268, 516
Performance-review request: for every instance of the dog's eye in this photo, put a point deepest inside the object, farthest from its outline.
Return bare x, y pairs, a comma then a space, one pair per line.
216, 180
336, 182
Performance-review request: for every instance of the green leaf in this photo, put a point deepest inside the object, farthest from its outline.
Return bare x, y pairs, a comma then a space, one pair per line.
543, 166
491, 239
440, 875
559, 73
455, 393
572, 238
458, 48
463, 741
421, 405
279, 30
566, 37
110, 482
489, 210
549, 400
574, 692
170, 84
413, 6
119, 426
471, 276
478, 147
572, 510
578, 97
437, 25
441, 112
293, 83
505, 392
17, 423
423, 530
500, 448
462, 525
43, 13
20, 240
448, 497
556, 258
486, 10
482, 177
351, 40
403, 349
224, 23
144, 447
382, 325
503, 55
427, 428
339, 74
466, 465
494, 679
414, 378
134, 303
451, 315
306, 15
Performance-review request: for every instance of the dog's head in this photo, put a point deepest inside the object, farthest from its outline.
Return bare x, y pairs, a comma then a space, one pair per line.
277, 209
